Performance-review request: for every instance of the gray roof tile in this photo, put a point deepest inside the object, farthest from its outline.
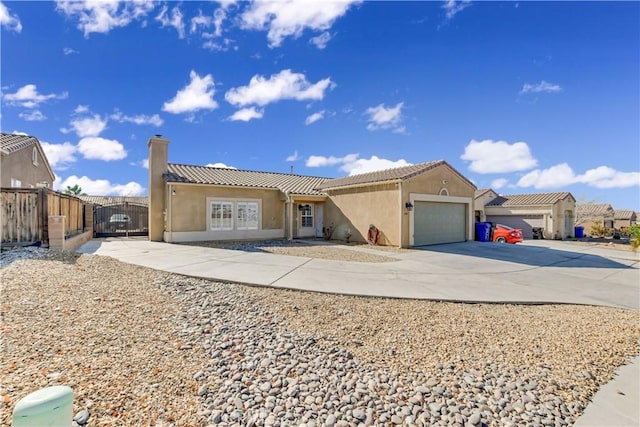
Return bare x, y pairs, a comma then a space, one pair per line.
287, 183
596, 209
624, 214
10, 142
115, 200
533, 199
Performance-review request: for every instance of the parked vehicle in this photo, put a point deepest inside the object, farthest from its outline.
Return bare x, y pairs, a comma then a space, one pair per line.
506, 234
119, 222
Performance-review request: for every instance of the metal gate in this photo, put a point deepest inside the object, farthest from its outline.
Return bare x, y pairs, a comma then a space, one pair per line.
121, 220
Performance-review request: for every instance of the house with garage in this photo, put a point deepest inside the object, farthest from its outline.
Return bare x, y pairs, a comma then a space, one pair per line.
600, 215
482, 197
554, 213
23, 163
623, 219
415, 205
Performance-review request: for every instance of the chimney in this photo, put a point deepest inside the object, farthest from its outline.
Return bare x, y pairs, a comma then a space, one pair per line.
158, 165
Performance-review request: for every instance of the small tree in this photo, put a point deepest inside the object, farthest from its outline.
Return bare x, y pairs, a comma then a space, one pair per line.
76, 190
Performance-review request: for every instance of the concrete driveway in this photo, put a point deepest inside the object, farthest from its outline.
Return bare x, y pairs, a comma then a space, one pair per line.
538, 271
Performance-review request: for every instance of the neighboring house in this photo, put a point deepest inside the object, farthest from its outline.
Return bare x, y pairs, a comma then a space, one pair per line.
598, 214
623, 219
23, 163
408, 206
553, 212
482, 197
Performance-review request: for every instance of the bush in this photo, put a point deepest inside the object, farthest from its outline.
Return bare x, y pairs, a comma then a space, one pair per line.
598, 230
634, 236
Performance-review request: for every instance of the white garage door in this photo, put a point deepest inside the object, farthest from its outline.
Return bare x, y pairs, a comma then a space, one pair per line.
523, 222
436, 222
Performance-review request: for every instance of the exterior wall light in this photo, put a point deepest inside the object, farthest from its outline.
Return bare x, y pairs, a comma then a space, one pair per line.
409, 206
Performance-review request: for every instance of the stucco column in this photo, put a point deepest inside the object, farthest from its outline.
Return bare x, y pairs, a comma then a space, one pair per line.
56, 231
158, 160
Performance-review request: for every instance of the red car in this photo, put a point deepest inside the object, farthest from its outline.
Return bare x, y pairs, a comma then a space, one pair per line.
506, 234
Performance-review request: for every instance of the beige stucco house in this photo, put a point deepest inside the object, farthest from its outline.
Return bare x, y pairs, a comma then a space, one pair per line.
553, 212
623, 219
23, 163
598, 214
414, 205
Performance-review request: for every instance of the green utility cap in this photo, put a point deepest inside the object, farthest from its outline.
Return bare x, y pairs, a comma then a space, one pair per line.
47, 407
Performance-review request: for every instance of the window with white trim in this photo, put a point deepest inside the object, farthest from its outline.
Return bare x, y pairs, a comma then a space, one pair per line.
306, 216
16, 183
221, 216
34, 156
247, 215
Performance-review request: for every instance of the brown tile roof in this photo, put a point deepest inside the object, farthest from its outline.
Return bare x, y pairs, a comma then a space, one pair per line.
10, 142
115, 200
394, 174
624, 214
534, 199
287, 183
595, 209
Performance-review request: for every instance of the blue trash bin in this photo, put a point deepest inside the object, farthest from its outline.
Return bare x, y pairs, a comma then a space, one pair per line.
483, 231
579, 231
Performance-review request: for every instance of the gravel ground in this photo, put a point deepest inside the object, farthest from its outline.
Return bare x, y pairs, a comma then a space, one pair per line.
141, 347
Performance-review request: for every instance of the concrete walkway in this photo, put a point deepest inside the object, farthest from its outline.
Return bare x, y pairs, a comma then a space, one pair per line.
538, 271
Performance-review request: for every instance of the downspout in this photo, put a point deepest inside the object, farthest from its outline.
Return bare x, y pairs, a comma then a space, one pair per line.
169, 213
401, 214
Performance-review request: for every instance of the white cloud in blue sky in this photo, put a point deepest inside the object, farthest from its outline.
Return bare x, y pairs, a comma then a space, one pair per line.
453, 7
321, 40
173, 18
197, 95
103, 16
138, 119
87, 126
542, 86
96, 148
27, 96
490, 156
246, 114
99, 186
381, 117
562, 175
59, 155
9, 20
312, 118
33, 116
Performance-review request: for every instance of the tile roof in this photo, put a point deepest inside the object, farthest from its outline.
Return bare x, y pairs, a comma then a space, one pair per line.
624, 214
482, 191
534, 199
287, 183
115, 200
394, 174
595, 209
10, 142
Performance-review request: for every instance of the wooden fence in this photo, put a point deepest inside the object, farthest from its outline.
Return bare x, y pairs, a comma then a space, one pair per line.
25, 214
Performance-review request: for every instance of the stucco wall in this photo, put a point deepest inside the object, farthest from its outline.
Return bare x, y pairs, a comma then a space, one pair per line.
188, 207
19, 165
481, 201
563, 225
357, 208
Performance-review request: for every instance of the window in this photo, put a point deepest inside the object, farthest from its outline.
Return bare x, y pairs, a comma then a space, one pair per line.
247, 215
221, 216
306, 215
34, 156
16, 183
444, 192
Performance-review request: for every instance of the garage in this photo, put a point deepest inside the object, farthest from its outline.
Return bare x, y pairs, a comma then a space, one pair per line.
438, 222
523, 222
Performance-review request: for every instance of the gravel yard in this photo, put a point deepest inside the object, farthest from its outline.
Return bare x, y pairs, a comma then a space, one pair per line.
141, 347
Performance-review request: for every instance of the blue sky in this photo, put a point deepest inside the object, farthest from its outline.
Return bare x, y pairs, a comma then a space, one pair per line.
521, 97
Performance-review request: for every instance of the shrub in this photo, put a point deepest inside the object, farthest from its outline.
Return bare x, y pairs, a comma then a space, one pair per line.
634, 236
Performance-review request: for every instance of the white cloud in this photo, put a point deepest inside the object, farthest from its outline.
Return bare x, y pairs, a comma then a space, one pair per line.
219, 46
69, 51
12, 22
381, 117
452, 7
219, 165
284, 85
499, 183
96, 148
145, 163
27, 96
139, 119
490, 156
540, 87
372, 164
176, 20
87, 126
81, 109
246, 114
197, 95
287, 18
33, 116
562, 175
59, 155
100, 187
322, 161
293, 157
102, 16
314, 117
321, 41
353, 165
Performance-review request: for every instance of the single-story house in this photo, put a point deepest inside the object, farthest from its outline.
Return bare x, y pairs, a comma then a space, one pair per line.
553, 212
482, 197
598, 214
23, 163
623, 219
414, 205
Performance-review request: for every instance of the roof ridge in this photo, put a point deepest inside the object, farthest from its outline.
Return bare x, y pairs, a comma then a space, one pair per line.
249, 170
